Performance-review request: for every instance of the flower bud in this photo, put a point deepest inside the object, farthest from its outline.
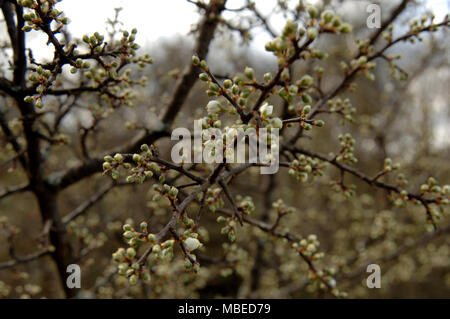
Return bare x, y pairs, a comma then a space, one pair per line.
221, 219
192, 244
312, 33
118, 158
266, 110
133, 279
213, 107
306, 80
146, 276
227, 83
173, 191
108, 158
306, 109
345, 28
128, 234
327, 16
203, 76
137, 158
319, 123
131, 252
28, 99
313, 12
195, 60
249, 73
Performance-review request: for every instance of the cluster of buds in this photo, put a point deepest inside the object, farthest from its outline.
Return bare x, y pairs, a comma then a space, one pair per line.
282, 209
309, 247
41, 79
305, 167
128, 263
144, 166
79, 65
400, 199
347, 190
388, 34
283, 45
401, 180
308, 124
165, 190
265, 112
418, 25
396, 72
389, 166
433, 187
230, 227
128, 42
94, 41
347, 143
213, 200
245, 204
301, 88
343, 108
330, 22
362, 64
42, 12
323, 279
81, 228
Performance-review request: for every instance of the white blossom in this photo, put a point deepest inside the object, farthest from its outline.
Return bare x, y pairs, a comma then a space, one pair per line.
213, 107
192, 243
266, 109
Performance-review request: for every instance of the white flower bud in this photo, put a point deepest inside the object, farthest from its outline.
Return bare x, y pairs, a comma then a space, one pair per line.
277, 123
213, 107
266, 110
192, 244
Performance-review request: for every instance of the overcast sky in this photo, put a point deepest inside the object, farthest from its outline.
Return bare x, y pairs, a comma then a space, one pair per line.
163, 18
158, 18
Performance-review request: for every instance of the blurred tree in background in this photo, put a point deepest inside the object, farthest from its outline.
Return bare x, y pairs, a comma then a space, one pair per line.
364, 155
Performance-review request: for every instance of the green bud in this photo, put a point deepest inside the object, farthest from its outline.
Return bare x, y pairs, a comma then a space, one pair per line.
133, 279
306, 109
203, 76
313, 12
118, 158
319, 123
227, 83
312, 33
195, 60
128, 234
221, 219
306, 80
137, 158
249, 73
327, 16
131, 252
151, 238
345, 28
146, 276
268, 77
108, 158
